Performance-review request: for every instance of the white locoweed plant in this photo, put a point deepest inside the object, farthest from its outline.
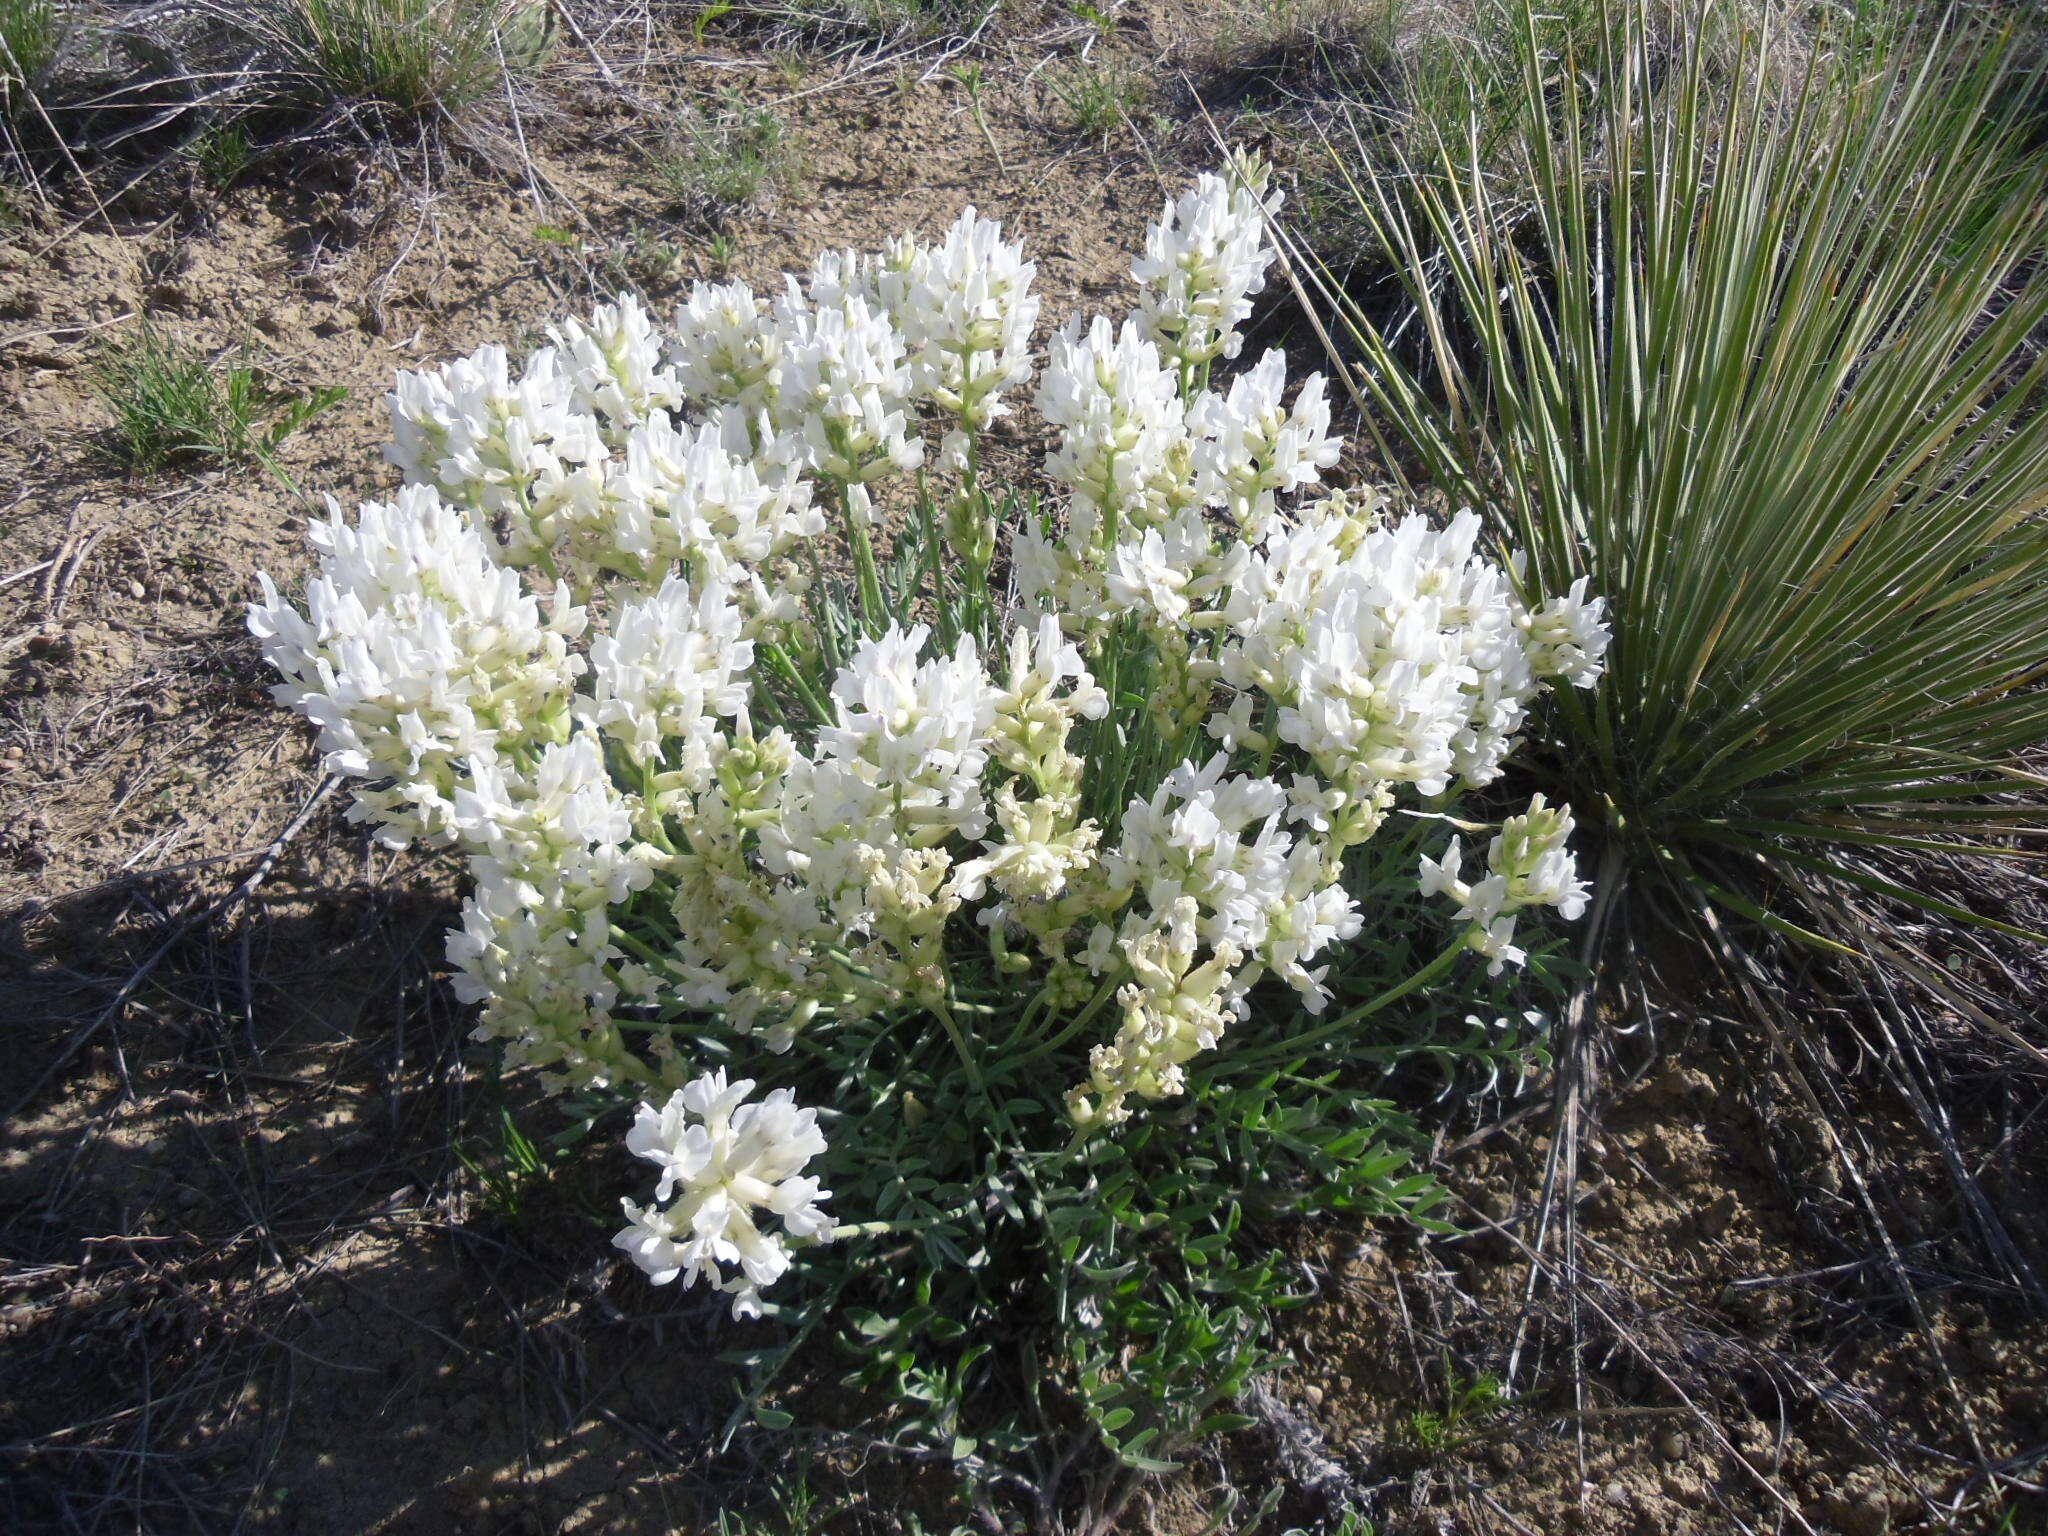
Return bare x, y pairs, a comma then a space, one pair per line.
986, 926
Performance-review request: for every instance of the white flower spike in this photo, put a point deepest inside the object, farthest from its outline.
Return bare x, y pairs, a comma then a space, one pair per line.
731, 1166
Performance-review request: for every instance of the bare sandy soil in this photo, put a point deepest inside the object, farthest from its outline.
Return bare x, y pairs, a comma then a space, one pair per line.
245, 1281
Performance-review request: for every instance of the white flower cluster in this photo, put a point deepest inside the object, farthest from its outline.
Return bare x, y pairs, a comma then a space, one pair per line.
1393, 654
416, 654
735, 1164
579, 646
1148, 455
1203, 261
1529, 864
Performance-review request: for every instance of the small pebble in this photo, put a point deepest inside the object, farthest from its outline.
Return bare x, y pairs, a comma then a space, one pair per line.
188, 1197
1862, 1513
1312, 1395
136, 588
1671, 1445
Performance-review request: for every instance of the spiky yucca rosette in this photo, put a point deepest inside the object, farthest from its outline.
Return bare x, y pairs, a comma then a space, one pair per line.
974, 859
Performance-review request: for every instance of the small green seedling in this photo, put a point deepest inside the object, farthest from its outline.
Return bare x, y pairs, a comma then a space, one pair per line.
1468, 1400
173, 404
701, 22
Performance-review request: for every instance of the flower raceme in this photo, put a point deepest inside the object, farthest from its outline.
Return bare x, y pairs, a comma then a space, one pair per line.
735, 1164
1527, 865
725, 785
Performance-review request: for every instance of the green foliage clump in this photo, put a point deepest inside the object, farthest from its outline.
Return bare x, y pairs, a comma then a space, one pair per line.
393, 65
172, 404
726, 160
1098, 97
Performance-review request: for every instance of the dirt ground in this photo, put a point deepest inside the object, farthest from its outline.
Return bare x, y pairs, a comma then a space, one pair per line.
246, 1283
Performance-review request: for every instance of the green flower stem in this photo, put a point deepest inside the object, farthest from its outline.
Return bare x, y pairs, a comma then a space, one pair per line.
867, 580
638, 945
789, 672
876, 1228
545, 558
1075, 1025
814, 600
1295, 1045
934, 566
657, 832
981, 609
973, 1067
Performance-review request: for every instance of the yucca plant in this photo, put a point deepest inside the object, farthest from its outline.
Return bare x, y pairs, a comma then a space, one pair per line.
1761, 363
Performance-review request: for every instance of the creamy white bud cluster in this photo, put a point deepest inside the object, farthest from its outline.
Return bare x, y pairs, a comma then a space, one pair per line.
1203, 262
1223, 893
1528, 864
586, 646
731, 1167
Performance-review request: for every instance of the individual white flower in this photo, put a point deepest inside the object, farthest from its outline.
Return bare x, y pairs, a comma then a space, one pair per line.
560, 823
914, 722
747, 941
703, 497
730, 1165
552, 848
837, 276
1204, 259
416, 653
1167, 572
1143, 575
1038, 848
545, 995
1532, 854
895, 775
1046, 687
